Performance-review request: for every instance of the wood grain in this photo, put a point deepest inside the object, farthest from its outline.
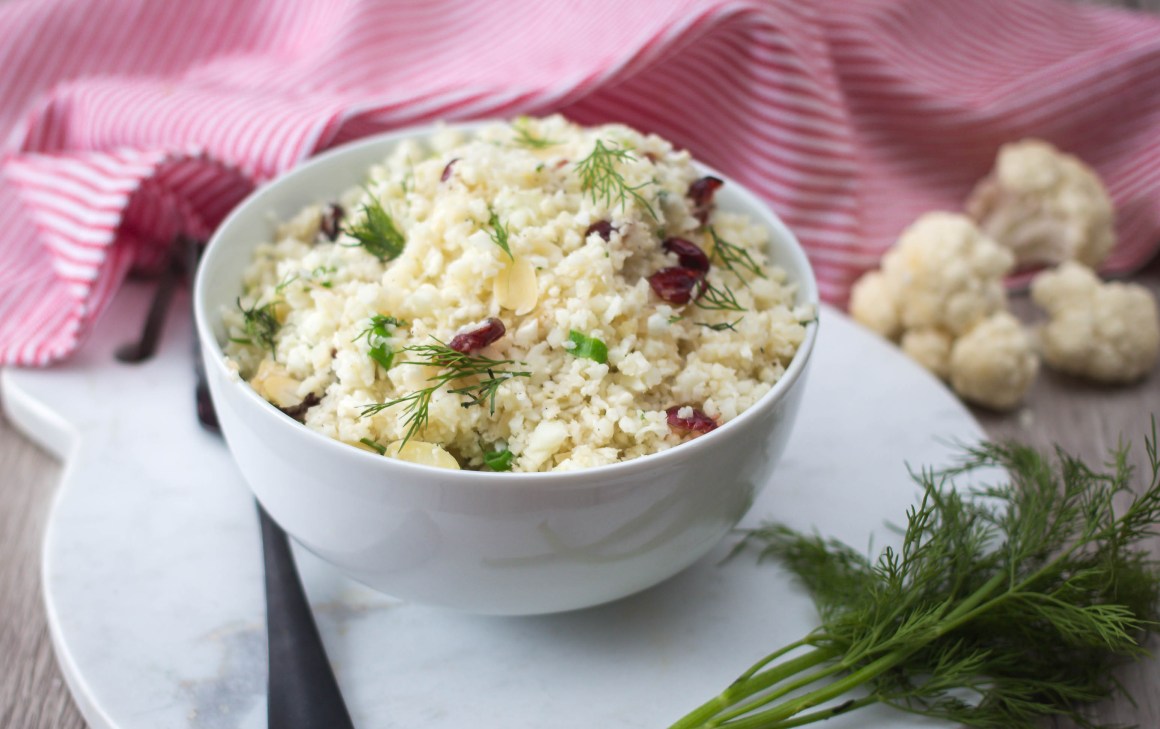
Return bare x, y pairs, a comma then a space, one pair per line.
1081, 418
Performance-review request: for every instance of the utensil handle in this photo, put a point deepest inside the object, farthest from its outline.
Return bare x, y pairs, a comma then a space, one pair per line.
303, 692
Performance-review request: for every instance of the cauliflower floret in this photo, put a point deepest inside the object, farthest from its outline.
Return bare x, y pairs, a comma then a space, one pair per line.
1108, 332
872, 304
946, 274
1044, 205
931, 348
994, 364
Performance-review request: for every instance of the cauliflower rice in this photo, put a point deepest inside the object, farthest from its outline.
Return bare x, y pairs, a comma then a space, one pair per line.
581, 272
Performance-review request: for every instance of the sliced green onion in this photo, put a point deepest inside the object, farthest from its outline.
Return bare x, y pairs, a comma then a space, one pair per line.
588, 347
500, 460
371, 444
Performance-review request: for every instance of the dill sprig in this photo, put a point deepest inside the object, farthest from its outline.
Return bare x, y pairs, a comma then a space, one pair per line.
453, 366
600, 178
721, 326
260, 324
525, 138
1005, 604
376, 231
499, 232
713, 298
733, 257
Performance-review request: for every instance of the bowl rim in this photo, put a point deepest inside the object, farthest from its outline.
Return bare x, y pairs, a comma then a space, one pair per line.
782, 239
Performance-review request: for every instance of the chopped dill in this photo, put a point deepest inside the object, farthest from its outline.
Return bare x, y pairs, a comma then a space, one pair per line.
377, 232
499, 232
284, 283
453, 366
711, 298
721, 326
600, 178
525, 138
377, 335
733, 257
260, 324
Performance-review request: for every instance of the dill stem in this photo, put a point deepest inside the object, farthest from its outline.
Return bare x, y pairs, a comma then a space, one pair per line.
782, 690
704, 714
824, 714
719, 712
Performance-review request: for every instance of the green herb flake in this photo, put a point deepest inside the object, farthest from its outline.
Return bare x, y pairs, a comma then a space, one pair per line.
284, 283
260, 324
712, 298
722, 326
499, 233
734, 257
525, 138
499, 460
600, 178
376, 232
587, 347
382, 450
377, 335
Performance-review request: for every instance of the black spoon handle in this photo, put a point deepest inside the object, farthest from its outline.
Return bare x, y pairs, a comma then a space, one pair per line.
303, 692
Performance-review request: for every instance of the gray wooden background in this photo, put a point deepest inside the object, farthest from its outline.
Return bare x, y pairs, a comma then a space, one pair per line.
1082, 418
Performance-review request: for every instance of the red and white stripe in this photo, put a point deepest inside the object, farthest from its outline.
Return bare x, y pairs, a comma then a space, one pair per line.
126, 122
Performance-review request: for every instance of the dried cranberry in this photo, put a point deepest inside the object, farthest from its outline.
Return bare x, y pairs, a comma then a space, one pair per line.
676, 283
697, 422
701, 192
298, 412
688, 253
602, 227
447, 170
475, 338
330, 224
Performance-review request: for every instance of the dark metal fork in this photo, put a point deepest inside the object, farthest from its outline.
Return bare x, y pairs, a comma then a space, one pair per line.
303, 692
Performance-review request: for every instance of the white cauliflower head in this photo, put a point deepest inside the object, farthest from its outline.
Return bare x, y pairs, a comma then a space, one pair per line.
931, 348
872, 304
1046, 206
946, 274
1108, 332
994, 364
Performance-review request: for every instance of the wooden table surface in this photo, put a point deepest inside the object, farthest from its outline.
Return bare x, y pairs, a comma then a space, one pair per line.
1082, 418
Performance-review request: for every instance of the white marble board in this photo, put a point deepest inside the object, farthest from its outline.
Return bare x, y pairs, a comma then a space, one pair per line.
152, 572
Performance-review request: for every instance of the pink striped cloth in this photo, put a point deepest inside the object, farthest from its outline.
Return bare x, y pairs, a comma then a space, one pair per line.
127, 121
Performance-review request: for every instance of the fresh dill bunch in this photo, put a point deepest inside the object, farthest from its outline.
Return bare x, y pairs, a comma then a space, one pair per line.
260, 324
713, 298
600, 178
1004, 605
733, 257
525, 138
453, 367
499, 232
376, 231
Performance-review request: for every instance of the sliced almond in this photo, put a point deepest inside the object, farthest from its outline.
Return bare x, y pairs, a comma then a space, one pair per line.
281, 310
274, 383
427, 454
516, 287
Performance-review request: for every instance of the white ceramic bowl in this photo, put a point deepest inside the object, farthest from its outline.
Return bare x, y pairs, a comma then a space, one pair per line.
498, 543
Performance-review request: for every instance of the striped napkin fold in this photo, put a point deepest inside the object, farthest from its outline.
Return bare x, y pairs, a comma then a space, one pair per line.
126, 122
